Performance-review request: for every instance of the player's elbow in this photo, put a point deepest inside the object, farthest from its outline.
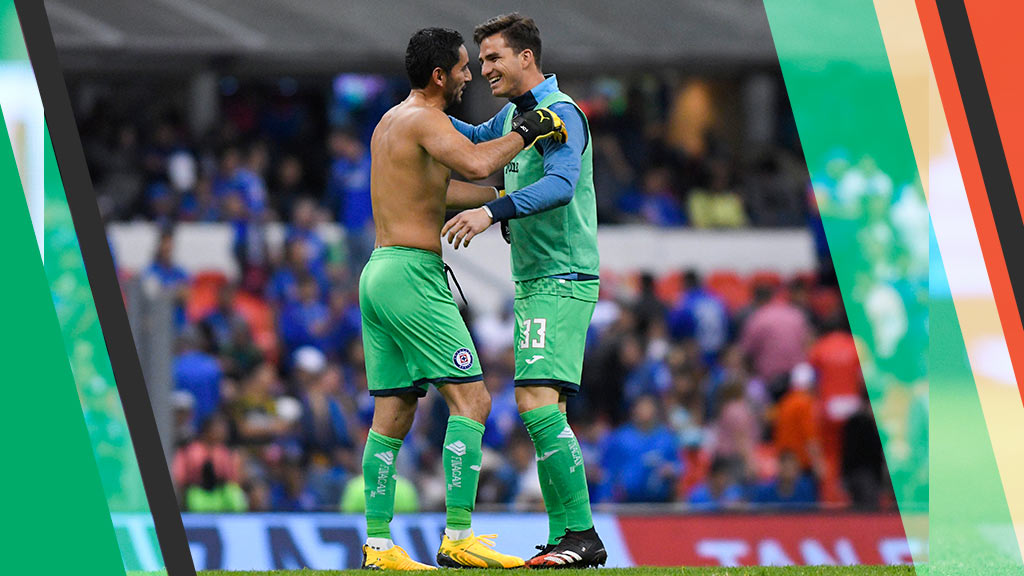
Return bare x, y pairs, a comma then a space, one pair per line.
476, 170
563, 192
564, 198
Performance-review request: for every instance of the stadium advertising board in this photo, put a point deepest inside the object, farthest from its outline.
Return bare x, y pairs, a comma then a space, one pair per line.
332, 541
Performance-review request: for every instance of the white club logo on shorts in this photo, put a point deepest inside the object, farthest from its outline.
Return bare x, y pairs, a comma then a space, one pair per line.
463, 359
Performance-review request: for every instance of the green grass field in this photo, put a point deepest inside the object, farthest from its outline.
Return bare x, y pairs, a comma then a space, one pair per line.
755, 571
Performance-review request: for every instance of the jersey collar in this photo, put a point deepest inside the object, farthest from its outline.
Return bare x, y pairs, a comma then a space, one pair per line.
529, 100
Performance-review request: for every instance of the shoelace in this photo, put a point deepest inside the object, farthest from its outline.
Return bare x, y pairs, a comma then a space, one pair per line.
486, 539
449, 272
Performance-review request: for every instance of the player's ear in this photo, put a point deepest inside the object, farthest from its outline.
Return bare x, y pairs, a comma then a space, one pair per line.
437, 76
526, 58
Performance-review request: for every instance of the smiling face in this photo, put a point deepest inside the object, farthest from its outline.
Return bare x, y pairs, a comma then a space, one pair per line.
456, 78
501, 66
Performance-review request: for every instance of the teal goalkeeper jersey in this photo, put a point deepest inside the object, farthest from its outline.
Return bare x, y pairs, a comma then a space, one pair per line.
562, 240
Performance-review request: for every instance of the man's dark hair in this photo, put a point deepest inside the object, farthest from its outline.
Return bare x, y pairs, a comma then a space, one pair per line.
428, 49
518, 31
691, 279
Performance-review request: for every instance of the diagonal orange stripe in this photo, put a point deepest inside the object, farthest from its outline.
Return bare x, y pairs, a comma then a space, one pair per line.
992, 250
996, 27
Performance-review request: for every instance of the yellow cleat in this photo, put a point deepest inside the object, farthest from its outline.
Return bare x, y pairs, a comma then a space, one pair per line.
474, 552
394, 558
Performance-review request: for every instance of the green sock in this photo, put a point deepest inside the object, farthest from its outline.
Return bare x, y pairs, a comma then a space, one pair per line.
462, 455
552, 503
379, 483
558, 453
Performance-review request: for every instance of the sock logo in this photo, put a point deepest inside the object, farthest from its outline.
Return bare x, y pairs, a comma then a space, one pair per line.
457, 448
383, 472
567, 433
546, 455
576, 453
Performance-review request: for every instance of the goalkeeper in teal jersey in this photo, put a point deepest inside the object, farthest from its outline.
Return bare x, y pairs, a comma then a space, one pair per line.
551, 217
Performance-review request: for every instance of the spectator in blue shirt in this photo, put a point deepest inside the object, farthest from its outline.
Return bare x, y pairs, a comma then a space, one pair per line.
198, 373
701, 316
169, 276
346, 321
303, 229
325, 421
220, 324
200, 204
790, 488
289, 492
283, 287
306, 322
654, 203
244, 178
719, 491
348, 193
641, 459
348, 187
503, 419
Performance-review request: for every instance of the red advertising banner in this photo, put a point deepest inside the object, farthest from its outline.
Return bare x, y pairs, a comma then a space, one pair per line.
763, 540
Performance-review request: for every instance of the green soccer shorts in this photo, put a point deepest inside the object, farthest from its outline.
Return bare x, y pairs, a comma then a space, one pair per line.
552, 317
413, 335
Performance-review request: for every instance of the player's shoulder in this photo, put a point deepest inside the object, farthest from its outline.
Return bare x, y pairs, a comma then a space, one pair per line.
425, 118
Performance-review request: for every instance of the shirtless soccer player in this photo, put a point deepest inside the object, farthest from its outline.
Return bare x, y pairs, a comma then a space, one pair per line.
551, 215
412, 332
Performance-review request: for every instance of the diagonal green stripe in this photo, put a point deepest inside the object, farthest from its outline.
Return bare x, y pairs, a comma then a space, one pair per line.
55, 515
90, 365
11, 45
938, 452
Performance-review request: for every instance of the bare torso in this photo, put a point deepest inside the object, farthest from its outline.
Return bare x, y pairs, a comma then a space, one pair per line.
407, 185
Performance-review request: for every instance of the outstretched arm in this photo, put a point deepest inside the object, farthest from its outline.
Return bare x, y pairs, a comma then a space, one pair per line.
463, 195
489, 130
562, 163
445, 144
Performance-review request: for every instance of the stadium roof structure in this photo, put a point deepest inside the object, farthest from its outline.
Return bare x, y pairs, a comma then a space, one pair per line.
323, 36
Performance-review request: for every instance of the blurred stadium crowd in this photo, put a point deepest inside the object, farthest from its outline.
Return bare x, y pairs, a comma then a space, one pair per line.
276, 144
717, 392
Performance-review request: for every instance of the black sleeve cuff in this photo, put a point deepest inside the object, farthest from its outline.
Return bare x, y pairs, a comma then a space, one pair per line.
502, 208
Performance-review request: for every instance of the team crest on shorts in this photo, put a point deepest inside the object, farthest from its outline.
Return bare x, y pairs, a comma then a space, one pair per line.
463, 359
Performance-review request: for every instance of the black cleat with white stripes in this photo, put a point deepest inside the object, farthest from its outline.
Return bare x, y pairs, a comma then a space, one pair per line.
574, 550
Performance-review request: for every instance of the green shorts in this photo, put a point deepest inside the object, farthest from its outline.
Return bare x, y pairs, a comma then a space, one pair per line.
413, 335
552, 317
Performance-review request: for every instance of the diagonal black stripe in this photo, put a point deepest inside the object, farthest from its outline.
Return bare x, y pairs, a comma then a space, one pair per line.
988, 145
99, 268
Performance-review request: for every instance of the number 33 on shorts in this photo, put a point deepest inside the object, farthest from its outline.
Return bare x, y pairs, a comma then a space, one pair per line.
532, 333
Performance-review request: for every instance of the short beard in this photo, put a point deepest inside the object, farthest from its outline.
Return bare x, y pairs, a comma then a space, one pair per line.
451, 98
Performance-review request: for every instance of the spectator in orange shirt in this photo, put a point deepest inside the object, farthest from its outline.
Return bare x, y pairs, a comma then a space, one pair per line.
834, 358
796, 422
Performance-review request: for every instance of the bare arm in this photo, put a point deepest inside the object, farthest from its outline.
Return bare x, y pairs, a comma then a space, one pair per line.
474, 161
463, 195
